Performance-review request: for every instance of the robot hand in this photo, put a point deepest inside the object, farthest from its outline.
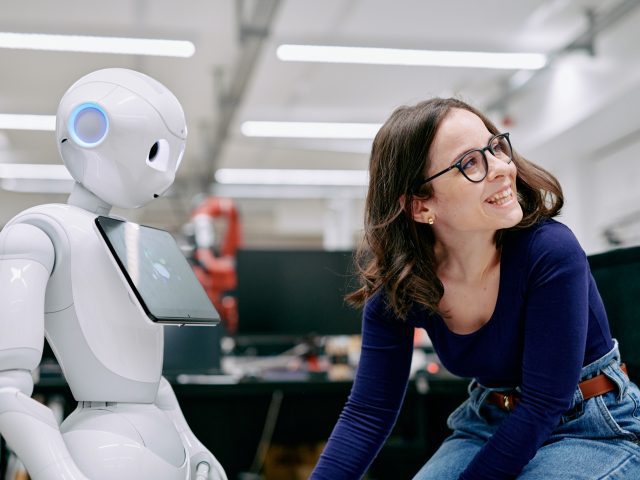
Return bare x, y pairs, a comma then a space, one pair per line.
204, 466
202, 471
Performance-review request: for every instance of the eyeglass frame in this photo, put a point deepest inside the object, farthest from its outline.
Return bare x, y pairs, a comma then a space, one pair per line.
458, 164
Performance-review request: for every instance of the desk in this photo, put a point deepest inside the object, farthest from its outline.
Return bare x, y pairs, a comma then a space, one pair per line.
229, 419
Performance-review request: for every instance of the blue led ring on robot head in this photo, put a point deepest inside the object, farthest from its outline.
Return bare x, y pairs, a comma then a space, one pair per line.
88, 125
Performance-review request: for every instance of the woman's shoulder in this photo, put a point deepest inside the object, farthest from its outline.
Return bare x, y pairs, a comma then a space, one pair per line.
549, 238
549, 230
378, 306
377, 309
376, 301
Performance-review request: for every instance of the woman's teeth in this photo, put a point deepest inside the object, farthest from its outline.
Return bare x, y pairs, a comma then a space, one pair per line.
500, 198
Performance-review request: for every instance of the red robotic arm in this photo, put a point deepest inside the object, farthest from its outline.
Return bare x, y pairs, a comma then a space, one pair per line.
217, 272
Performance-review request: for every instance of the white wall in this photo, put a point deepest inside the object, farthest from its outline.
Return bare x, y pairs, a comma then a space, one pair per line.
581, 120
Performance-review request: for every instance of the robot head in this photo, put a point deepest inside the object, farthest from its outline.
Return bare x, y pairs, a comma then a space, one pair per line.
122, 135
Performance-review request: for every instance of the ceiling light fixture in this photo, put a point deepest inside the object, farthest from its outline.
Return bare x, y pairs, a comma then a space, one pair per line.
249, 176
10, 121
394, 56
310, 130
32, 171
91, 44
25, 185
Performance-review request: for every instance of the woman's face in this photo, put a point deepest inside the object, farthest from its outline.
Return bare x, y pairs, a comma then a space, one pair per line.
457, 204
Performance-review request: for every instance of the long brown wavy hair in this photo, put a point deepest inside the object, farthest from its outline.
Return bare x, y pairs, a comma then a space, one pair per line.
397, 253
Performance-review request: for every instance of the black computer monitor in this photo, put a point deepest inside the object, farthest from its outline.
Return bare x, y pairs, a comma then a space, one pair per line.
191, 350
617, 275
296, 292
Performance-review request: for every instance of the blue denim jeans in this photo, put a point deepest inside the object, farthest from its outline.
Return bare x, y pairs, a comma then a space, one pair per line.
600, 436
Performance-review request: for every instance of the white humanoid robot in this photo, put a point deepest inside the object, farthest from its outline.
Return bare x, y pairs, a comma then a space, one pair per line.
121, 134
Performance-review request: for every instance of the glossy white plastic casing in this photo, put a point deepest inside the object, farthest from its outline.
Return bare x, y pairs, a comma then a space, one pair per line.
122, 136
26, 260
108, 348
125, 441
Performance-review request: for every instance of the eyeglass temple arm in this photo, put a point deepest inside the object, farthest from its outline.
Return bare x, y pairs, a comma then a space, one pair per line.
455, 165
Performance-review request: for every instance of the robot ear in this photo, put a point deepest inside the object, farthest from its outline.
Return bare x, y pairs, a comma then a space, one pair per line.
88, 125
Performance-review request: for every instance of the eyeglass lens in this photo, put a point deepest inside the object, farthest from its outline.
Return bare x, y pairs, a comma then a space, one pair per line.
474, 164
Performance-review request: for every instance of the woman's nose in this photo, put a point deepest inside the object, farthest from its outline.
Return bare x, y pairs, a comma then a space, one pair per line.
496, 167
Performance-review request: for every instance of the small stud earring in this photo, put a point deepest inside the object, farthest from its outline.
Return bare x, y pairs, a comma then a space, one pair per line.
430, 220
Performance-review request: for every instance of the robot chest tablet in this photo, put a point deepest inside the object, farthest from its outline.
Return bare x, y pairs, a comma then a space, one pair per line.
157, 273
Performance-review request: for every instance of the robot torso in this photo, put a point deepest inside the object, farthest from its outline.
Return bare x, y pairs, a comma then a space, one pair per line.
107, 347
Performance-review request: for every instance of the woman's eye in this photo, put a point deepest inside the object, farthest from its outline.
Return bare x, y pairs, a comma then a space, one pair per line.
469, 163
501, 147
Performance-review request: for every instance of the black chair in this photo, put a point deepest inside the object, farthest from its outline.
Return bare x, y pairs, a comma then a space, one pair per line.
617, 274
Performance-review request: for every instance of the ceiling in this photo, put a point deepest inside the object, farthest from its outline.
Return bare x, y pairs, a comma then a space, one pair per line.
235, 76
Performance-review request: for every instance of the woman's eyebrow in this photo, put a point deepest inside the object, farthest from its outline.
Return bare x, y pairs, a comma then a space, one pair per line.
464, 152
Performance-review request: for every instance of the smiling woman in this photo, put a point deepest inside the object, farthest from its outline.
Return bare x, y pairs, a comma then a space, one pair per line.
460, 240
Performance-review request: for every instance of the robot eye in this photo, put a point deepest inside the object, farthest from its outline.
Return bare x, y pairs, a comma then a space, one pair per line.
88, 125
153, 152
159, 155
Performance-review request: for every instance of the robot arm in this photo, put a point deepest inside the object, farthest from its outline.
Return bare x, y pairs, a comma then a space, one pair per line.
217, 272
211, 208
30, 429
204, 465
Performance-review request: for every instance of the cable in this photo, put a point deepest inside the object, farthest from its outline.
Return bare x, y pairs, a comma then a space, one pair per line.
267, 432
4, 454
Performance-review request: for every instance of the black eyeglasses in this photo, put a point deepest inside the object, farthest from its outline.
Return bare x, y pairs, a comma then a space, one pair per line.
474, 165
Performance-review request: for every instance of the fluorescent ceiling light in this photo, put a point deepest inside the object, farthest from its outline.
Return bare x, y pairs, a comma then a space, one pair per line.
79, 43
27, 185
34, 171
249, 176
288, 191
10, 121
310, 130
394, 56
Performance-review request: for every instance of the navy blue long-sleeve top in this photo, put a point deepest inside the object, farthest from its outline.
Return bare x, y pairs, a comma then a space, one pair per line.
548, 322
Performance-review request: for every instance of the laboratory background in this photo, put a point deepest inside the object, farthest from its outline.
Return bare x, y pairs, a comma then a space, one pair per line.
282, 99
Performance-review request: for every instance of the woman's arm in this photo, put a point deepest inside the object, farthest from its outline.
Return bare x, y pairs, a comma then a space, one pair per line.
556, 320
376, 396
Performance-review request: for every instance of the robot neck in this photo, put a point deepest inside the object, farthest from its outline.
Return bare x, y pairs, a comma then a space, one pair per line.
83, 198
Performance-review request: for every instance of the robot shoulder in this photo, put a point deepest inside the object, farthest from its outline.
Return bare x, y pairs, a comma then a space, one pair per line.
21, 241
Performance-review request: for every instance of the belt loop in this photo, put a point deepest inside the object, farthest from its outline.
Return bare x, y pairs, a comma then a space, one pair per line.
472, 385
578, 399
478, 401
614, 372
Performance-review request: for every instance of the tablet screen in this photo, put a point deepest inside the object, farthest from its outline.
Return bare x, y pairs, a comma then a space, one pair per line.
158, 273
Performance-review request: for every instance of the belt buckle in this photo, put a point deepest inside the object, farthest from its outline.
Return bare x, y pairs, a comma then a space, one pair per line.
506, 402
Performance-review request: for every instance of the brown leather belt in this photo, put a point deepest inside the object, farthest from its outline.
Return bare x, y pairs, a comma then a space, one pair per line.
598, 385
